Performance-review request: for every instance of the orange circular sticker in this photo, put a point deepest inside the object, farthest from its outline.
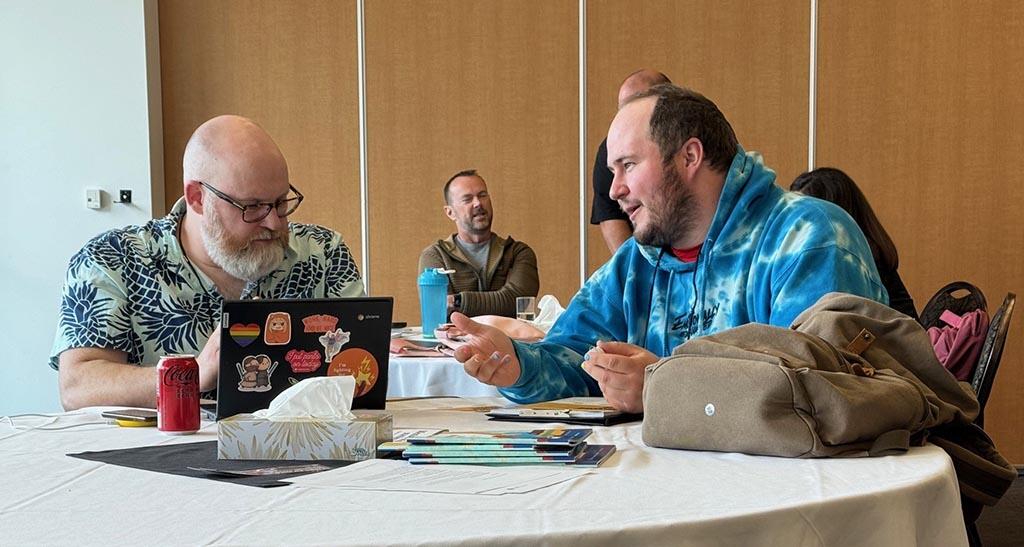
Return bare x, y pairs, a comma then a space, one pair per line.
356, 362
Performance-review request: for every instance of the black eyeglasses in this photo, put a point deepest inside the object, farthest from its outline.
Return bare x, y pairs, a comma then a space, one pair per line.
255, 212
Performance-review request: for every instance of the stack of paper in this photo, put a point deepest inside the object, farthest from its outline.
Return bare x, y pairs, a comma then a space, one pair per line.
398, 476
539, 446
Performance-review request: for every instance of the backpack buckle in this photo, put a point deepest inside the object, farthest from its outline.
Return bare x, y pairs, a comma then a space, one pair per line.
861, 343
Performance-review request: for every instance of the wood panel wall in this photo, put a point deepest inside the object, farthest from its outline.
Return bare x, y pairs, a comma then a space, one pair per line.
922, 107
749, 57
457, 84
292, 67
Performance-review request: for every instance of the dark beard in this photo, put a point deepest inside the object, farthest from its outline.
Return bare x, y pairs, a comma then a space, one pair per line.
471, 223
672, 217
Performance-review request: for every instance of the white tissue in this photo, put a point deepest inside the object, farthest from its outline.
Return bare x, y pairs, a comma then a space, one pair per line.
320, 398
548, 310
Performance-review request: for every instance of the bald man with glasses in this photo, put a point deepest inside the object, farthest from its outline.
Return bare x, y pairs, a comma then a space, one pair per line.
134, 294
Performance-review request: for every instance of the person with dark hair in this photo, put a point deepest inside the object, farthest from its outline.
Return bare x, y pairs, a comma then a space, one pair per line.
717, 245
833, 185
489, 271
605, 211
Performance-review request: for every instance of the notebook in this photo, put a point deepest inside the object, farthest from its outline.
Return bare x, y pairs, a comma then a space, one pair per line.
268, 345
573, 410
573, 417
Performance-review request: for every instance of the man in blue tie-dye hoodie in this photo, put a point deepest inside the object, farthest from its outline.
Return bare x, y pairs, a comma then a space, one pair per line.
717, 245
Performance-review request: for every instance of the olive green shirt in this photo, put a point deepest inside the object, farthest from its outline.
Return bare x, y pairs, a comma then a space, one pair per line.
510, 272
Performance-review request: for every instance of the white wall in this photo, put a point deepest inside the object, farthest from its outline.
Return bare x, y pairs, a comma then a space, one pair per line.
75, 106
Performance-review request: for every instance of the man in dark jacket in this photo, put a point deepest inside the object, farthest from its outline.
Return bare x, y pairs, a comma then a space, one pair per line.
605, 211
489, 271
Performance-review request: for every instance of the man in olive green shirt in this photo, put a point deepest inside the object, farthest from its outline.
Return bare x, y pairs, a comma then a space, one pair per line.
489, 271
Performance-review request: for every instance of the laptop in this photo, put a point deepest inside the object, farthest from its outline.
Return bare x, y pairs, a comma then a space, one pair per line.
267, 346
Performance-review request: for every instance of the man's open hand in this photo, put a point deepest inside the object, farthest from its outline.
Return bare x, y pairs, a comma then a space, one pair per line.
488, 354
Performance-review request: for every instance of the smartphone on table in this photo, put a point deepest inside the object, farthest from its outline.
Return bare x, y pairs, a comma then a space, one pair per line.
132, 417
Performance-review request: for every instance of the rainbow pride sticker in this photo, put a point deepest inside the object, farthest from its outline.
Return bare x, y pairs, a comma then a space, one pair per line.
244, 334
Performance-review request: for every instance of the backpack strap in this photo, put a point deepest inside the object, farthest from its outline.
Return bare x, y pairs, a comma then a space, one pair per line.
861, 342
896, 441
951, 319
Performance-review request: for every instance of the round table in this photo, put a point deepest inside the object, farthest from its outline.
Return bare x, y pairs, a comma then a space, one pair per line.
640, 496
433, 377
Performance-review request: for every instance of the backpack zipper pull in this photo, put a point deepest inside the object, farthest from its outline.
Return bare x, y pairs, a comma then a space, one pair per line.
862, 370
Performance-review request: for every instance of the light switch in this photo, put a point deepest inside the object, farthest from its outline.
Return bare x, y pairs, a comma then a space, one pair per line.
93, 198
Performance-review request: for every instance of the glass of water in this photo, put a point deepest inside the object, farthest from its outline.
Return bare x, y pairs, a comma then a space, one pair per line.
526, 308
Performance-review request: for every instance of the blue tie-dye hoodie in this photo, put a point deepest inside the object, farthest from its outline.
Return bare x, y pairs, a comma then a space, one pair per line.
768, 255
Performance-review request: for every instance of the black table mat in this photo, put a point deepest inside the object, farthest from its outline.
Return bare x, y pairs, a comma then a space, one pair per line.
176, 459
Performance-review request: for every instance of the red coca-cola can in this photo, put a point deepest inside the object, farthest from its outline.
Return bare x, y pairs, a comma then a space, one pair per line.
177, 394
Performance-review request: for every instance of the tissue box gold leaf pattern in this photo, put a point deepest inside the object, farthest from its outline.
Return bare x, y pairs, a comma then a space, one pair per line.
300, 434
246, 437
252, 450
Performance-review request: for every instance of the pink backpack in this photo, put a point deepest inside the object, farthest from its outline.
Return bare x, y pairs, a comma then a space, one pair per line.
958, 343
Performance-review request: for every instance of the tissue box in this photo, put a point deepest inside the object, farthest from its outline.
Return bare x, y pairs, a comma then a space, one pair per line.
244, 437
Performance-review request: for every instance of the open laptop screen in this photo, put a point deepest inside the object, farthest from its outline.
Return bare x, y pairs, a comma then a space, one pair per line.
269, 345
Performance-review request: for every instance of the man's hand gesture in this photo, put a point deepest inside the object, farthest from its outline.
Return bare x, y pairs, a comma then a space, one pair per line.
488, 354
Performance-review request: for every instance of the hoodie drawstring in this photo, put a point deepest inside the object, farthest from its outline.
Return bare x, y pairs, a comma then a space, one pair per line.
650, 298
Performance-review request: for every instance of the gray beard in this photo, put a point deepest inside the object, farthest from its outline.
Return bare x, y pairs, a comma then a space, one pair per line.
249, 263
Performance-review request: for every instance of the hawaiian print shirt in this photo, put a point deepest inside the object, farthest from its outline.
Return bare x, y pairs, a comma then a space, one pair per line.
134, 290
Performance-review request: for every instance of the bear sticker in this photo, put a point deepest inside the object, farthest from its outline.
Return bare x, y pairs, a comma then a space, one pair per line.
278, 331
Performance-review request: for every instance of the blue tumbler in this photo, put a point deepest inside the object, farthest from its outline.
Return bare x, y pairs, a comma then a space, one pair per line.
433, 283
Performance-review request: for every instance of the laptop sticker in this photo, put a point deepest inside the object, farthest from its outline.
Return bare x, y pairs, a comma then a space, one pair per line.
244, 334
303, 361
359, 363
255, 371
332, 342
319, 323
279, 329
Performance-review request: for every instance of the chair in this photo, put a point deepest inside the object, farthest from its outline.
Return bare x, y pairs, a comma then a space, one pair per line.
981, 382
991, 353
945, 299
984, 372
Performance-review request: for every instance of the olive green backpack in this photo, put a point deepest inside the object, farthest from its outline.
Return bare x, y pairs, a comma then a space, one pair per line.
851, 377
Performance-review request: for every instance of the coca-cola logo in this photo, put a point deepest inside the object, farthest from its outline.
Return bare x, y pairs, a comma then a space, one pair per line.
181, 376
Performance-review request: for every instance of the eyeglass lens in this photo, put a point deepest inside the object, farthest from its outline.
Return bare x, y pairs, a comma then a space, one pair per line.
256, 213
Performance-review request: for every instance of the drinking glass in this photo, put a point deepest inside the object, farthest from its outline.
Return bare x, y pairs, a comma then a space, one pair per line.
526, 308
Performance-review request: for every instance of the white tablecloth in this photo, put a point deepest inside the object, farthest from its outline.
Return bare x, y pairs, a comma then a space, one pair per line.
641, 496
433, 377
